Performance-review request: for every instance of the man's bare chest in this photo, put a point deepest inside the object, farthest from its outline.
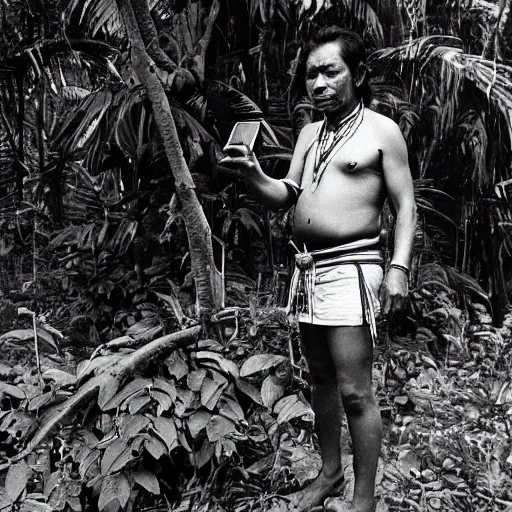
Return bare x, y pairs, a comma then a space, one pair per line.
357, 157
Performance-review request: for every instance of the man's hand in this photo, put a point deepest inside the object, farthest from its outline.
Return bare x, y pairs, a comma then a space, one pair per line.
241, 159
394, 291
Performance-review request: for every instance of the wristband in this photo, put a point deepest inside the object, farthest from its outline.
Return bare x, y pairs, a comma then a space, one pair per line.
400, 267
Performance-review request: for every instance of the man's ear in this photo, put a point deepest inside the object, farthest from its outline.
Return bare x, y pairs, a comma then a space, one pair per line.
361, 75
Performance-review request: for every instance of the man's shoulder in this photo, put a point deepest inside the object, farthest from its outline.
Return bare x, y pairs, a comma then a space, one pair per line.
307, 134
379, 119
311, 128
384, 127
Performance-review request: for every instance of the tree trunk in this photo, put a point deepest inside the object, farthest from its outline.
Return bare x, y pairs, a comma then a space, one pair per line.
20, 171
198, 230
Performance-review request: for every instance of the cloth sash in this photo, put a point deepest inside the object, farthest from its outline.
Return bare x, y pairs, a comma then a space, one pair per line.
302, 286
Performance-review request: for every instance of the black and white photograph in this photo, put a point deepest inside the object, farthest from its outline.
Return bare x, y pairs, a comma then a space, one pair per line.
255, 256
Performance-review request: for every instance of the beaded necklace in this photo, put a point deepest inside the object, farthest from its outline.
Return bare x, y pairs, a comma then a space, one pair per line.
330, 141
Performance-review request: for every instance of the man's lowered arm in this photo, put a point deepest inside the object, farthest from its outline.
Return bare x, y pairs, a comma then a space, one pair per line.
397, 176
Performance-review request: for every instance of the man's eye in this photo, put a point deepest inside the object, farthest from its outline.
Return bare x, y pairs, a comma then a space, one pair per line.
311, 76
331, 74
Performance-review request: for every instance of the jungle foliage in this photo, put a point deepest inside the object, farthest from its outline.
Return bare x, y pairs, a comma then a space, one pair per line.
119, 237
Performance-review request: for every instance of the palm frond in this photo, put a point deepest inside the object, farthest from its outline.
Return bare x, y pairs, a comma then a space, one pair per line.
103, 15
359, 10
134, 128
230, 105
492, 78
77, 128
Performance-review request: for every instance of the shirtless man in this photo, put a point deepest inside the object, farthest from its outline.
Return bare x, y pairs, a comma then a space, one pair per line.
342, 170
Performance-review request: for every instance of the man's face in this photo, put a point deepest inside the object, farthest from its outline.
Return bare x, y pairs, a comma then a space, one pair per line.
329, 81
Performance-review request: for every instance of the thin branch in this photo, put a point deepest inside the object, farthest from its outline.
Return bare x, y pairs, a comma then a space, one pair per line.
106, 385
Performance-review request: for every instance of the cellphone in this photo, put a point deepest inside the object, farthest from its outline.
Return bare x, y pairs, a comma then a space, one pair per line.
244, 132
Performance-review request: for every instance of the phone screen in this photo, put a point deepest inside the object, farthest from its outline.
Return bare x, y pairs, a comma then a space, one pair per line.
245, 132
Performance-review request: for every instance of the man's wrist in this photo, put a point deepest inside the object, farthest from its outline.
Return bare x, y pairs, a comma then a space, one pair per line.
400, 267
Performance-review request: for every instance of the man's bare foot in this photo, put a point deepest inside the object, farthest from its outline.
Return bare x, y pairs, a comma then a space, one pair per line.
337, 505
316, 492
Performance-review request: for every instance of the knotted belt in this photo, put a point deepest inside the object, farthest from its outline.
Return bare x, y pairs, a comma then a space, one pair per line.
302, 286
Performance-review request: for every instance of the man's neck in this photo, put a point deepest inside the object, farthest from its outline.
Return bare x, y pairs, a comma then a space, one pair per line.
334, 119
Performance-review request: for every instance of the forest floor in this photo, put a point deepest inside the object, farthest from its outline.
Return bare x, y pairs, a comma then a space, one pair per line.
447, 426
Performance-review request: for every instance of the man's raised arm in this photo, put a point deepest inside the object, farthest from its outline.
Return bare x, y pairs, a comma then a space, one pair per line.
273, 193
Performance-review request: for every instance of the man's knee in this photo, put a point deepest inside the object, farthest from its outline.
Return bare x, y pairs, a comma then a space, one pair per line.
356, 402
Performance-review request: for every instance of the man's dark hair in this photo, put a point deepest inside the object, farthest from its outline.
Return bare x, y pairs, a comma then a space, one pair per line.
352, 52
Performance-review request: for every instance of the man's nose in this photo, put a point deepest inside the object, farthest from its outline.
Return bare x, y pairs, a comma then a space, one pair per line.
319, 84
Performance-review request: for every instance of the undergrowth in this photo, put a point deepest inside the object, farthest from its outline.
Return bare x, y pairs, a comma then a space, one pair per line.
225, 425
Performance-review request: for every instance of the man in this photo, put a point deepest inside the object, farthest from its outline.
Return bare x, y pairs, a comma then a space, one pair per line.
342, 170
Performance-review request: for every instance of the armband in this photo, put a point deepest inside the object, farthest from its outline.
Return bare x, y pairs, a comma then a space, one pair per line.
292, 185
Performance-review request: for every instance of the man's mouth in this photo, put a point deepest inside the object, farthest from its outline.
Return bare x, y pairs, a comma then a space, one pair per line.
322, 101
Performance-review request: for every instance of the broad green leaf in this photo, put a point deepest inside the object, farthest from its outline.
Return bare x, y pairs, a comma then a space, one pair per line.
219, 427
43, 400
16, 480
226, 446
164, 401
86, 367
60, 377
57, 499
130, 389
259, 363
262, 465
137, 403
30, 390
211, 391
147, 480
182, 438
209, 345
91, 458
124, 491
30, 505
155, 447
231, 409
107, 391
204, 455
224, 364
195, 379
271, 390
114, 487
167, 386
304, 462
166, 430
18, 335
74, 504
176, 365
116, 456
197, 422
11, 390
173, 302
249, 390
145, 330
291, 407
131, 425
183, 402
51, 482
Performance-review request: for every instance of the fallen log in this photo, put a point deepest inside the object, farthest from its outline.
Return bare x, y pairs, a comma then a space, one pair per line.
107, 384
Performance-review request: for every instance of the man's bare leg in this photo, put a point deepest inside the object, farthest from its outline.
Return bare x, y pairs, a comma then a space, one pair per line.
352, 353
326, 403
